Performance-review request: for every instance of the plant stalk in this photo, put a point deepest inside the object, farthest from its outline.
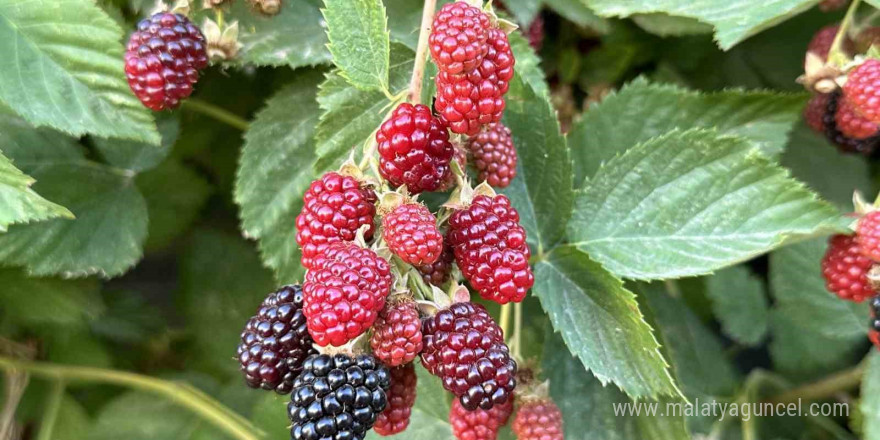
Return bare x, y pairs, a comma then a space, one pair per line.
835, 55
220, 114
823, 388
415, 84
504, 321
220, 416
50, 416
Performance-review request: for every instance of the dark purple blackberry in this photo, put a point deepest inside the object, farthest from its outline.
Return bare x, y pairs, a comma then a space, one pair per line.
465, 348
875, 314
275, 342
845, 143
337, 397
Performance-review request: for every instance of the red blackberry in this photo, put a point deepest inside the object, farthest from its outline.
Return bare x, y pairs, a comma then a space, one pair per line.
494, 155
414, 149
458, 38
344, 291
438, 272
822, 40
337, 397
862, 89
535, 33
275, 342
490, 248
397, 333
538, 420
401, 398
851, 124
479, 424
334, 208
467, 102
410, 231
163, 59
465, 348
814, 112
868, 235
832, 5
843, 142
846, 270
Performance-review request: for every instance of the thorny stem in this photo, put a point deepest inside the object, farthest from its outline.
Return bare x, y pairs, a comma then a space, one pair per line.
53, 405
823, 388
415, 84
211, 110
220, 416
835, 55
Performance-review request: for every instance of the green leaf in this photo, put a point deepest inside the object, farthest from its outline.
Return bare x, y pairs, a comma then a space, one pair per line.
670, 26
63, 68
577, 12
276, 170
528, 65
689, 203
175, 194
137, 156
107, 235
641, 111
588, 407
601, 323
142, 416
295, 37
523, 10
19, 203
404, 19
870, 402
542, 190
732, 24
832, 175
739, 303
41, 302
813, 332
359, 41
351, 115
222, 281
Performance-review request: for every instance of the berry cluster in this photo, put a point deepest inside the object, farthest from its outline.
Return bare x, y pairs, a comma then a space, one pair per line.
380, 287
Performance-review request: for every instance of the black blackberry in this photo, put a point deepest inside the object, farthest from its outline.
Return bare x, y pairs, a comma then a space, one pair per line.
875, 314
845, 143
275, 342
337, 397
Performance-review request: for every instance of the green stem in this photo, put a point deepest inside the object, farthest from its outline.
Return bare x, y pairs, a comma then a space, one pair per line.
823, 388
415, 83
53, 405
517, 331
217, 113
835, 54
206, 408
504, 320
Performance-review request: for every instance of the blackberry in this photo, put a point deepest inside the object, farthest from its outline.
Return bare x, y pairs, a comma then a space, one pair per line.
438, 272
465, 348
401, 398
844, 143
338, 397
275, 342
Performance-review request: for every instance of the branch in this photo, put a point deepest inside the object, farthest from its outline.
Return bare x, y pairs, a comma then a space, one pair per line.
823, 388
415, 84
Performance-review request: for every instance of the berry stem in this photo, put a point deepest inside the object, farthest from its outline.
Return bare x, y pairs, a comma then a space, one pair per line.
835, 54
504, 321
823, 388
186, 396
14, 384
517, 331
50, 413
215, 112
415, 84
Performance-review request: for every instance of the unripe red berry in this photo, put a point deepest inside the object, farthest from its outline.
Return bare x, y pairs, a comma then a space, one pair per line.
846, 270
414, 149
397, 333
478, 424
410, 230
538, 420
458, 37
401, 398
494, 155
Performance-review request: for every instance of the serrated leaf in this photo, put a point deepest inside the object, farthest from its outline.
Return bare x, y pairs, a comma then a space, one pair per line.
689, 203
820, 165
542, 190
732, 24
137, 156
870, 402
601, 323
588, 407
813, 332
641, 111
351, 115
19, 203
578, 12
739, 303
359, 41
666, 25
528, 65
294, 37
175, 194
221, 280
40, 302
275, 171
107, 236
63, 68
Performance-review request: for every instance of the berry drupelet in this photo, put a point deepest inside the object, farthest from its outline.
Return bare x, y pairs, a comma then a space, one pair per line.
337, 397
275, 342
846, 270
410, 230
494, 155
397, 333
478, 424
163, 59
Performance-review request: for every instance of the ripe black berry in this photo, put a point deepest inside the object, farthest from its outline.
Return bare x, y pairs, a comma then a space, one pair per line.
337, 397
275, 342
